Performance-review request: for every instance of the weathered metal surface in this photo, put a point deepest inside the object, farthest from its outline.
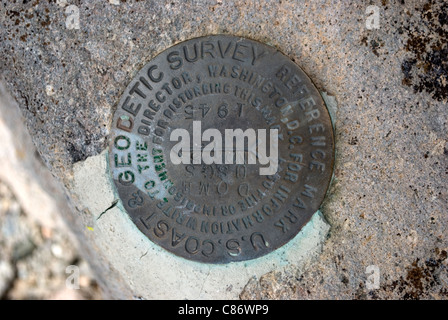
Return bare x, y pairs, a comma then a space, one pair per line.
219, 213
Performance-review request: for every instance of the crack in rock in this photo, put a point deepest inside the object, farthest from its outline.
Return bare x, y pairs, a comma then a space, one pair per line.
114, 203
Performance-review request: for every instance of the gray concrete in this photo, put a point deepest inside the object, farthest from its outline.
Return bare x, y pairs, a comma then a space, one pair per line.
387, 206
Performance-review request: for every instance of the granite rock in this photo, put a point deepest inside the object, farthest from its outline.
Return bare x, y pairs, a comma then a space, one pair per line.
387, 206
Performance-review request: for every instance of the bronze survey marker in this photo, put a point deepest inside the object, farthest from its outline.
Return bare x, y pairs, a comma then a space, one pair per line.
219, 213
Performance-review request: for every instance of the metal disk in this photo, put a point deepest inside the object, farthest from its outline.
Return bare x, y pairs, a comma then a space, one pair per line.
194, 94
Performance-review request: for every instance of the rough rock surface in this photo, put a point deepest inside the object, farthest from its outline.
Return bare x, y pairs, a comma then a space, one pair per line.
36, 246
34, 257
388, 204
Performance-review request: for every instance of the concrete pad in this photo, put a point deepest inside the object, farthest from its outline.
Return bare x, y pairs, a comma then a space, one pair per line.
154, 273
